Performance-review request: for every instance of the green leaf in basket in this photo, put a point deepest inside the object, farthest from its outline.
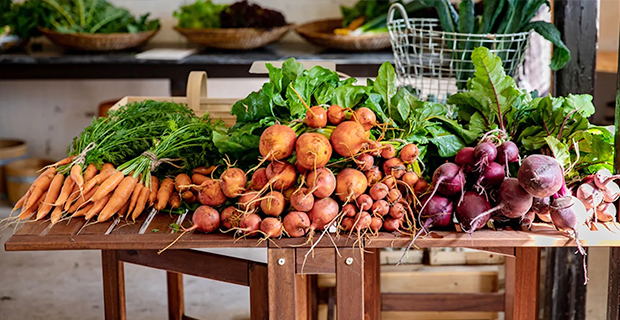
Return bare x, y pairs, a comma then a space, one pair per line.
561, 53
466, 16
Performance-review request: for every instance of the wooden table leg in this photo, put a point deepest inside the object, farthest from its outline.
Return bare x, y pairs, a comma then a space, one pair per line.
282, 285
527, 274
350, 284
372, 284
176, 299
509, 297
113, 285
259, 293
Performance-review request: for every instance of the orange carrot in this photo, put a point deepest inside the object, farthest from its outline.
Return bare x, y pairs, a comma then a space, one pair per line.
203, 170
99, 178
65, 192
153, 190
82, 211
198, 178
21, 201
141, 203
124, 209
182, 182
108, 185
118, 199
52, 195
82, 200
75, 193
56, 215
28, 212
175, 201
64, 161
134, 196
76, 175
107, 166
91, 171
164, 193
39, 186
97, 207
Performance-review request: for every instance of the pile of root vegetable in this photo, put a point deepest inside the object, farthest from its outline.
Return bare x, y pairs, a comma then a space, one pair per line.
312, 152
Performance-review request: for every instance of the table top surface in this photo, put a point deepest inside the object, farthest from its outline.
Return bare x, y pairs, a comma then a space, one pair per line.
50, 54
153, 231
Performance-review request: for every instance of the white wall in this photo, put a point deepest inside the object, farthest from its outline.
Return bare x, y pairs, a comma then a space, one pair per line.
609, 25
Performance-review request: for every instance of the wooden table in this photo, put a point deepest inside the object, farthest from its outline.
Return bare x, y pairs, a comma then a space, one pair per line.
290, 291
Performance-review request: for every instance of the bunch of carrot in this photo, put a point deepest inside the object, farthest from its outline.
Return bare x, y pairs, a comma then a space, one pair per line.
101, 193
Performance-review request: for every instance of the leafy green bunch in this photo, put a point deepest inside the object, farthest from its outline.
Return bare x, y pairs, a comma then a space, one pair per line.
500, 17
549, 125
21, 18
91, 16
128, 131
183, 145
200, 15
405, 118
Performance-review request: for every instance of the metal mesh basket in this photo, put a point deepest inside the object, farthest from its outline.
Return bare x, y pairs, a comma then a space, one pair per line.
436, 64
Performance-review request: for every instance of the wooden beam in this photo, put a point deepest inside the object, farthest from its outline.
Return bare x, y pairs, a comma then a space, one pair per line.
466, 302
176, 303
527, 281
259, 292
113, 285
613, 295
195, 263
577, 22
319, 261
281, 269
372, 284
509, 287
350, 284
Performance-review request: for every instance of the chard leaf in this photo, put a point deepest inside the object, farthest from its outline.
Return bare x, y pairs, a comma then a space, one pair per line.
348, 96
560, 150
385, 84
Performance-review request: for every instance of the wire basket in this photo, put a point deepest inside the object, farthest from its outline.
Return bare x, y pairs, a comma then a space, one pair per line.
435, 64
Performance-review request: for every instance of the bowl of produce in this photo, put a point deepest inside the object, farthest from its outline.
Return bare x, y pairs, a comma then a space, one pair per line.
240, 26
93, 25
362, 27
324, 33
16, 27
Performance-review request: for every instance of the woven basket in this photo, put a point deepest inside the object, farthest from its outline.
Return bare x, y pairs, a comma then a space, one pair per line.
98, 41
234, 38
321, 33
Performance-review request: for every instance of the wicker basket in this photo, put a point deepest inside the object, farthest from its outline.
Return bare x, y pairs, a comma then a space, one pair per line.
321, 33
234, 38
196, 99
98, 41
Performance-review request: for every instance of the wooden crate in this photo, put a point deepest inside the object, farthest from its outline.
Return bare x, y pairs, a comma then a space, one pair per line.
460, 256
196, 99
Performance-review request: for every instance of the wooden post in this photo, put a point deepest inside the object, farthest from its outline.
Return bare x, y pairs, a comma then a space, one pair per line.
527, 275
113, 285
282, 286
259, 292
509, 279
372, 284
350, 284
176, 304
576, 20
613, 295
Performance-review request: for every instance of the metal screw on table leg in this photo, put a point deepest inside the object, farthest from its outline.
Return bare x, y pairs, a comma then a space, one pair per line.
281, 261
349, 261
